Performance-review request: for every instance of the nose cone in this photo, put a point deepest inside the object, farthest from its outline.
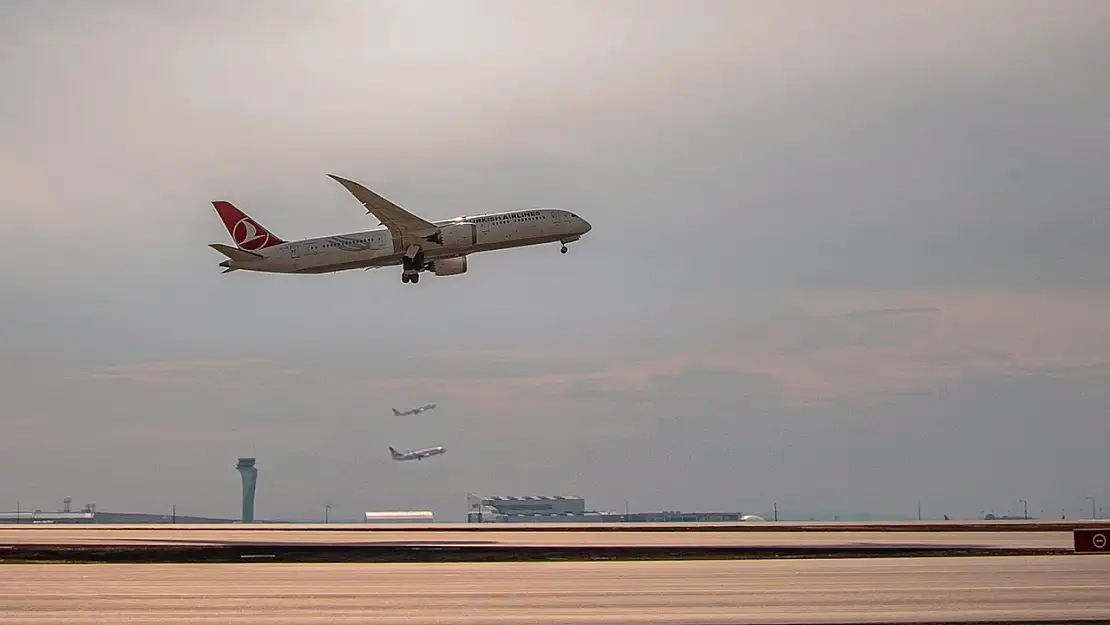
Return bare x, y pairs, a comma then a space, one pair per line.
586, 227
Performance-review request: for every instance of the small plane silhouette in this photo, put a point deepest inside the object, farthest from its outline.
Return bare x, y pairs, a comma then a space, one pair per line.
417, 454
412, 411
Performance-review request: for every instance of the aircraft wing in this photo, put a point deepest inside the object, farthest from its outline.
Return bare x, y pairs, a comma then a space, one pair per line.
401, 223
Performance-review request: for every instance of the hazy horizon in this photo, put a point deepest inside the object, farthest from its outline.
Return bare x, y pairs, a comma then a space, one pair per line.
843, 257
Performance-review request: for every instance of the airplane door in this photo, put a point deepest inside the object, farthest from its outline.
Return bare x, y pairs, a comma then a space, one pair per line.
485, 227
556, 218
295, 251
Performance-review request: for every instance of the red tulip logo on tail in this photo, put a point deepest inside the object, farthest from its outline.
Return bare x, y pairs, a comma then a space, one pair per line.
247, 233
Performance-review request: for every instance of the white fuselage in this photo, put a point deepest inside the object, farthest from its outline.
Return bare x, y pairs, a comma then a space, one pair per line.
377, 248
419, 454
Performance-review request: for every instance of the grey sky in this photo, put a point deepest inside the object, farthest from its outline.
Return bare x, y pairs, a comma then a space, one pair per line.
758, 176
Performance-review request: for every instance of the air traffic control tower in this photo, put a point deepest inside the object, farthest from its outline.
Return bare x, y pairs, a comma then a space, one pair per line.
250, 479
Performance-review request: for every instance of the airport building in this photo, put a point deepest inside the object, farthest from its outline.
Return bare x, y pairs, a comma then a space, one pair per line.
674, 516
529, 504
65, 515
526, 509
570, 509
39, 516
400, 516
89, 514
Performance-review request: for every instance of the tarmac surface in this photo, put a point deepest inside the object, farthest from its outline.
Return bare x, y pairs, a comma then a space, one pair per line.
707, 592
334, 535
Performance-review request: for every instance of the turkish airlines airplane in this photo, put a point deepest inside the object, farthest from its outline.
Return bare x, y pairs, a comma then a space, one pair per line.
418, 245
417, 454
412, 411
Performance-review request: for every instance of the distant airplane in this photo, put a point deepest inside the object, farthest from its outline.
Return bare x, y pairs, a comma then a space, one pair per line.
417, 454
416, 244
412, 411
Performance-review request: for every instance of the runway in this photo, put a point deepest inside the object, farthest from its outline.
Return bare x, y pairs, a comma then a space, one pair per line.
339, 535
763, 591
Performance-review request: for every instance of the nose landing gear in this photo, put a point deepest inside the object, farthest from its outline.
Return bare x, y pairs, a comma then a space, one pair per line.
563, 250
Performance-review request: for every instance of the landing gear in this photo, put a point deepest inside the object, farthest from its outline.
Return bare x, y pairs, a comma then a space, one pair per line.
563, 250
411, 267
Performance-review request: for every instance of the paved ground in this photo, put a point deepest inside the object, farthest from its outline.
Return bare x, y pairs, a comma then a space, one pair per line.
736, 526
168, 535
860, 590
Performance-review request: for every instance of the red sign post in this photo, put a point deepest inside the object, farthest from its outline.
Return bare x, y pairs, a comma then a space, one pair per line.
1092, 540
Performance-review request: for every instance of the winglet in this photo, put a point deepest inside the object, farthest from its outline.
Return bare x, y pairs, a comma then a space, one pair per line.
358, 190
354, 189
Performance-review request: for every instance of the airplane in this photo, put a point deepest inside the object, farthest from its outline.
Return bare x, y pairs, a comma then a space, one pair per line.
417, 454
440, 247
413, 411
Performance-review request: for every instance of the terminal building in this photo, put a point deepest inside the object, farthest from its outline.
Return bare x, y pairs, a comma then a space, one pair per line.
569, 509
528, 509
65, 515
674, 516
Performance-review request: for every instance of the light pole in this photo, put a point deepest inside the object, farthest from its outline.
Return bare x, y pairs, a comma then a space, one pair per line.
327, 507
1025, 504
1093, 515
918, 509
776, 511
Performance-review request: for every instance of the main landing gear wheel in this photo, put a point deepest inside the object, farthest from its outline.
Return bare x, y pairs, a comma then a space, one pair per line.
409, 267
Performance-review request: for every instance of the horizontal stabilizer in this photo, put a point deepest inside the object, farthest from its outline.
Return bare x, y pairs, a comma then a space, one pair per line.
235, 253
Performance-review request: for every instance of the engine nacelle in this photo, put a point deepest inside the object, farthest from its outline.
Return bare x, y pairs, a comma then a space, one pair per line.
458, 235
449, 266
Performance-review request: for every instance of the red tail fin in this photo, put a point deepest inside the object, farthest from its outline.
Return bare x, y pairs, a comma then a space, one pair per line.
247, 233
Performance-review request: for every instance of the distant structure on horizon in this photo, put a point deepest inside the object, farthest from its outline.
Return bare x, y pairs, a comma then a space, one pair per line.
569, 508
249, 474
400, 516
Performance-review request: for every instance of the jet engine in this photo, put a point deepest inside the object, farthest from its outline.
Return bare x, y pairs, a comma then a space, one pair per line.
449, 266
457, 235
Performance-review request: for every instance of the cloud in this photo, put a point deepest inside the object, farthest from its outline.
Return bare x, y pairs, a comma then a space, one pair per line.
945, 336
187, 371
830, 353
190, 106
